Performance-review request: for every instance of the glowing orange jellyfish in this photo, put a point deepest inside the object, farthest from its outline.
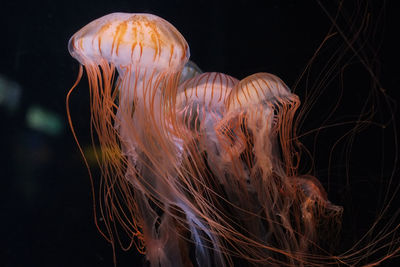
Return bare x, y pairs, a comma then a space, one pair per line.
149, 54
203, 171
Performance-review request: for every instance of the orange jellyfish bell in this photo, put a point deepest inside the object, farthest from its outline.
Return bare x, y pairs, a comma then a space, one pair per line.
124, 39
259, 88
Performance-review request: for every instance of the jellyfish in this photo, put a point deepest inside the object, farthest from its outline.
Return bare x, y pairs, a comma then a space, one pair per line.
148, 54
259, 119
197, 169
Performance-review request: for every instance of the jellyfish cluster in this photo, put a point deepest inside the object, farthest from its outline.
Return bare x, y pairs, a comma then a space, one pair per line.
197, 169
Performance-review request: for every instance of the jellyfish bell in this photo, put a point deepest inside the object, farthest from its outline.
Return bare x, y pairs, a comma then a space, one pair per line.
202, 98
262, 87
125, 39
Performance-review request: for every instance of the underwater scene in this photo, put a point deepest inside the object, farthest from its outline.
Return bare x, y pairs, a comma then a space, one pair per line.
199, 133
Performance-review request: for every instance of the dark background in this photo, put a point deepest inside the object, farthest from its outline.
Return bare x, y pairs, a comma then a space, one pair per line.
46, 215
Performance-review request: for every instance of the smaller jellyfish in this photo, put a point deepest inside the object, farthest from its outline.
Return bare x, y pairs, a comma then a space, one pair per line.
278, 207
264, 103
